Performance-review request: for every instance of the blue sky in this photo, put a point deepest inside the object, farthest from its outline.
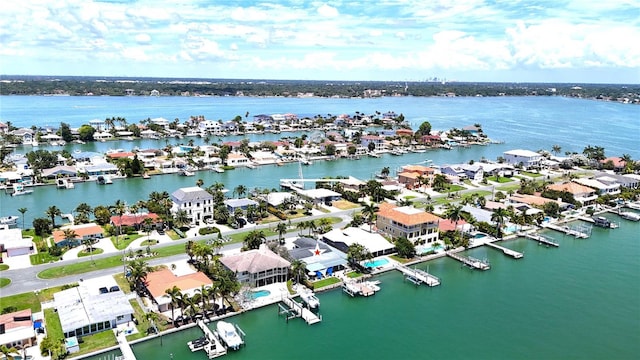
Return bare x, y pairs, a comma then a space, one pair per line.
405, 40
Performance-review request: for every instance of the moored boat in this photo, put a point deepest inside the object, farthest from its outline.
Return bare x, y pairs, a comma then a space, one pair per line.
630, 215
228, 333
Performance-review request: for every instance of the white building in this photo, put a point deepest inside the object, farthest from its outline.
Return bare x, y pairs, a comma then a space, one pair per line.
375, 243
197, 203
258, 267
12, 242
525, 158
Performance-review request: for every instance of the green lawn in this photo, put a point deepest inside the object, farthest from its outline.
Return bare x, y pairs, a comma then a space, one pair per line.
52, 323
43, 258
82, 267
452, 188
22, 301
122, 283
124, 240
4, 267
97, 341
500, 180
400, 259
84, 253
530, 174
173, 235
354, 274
325, 282
513, 187
4, 282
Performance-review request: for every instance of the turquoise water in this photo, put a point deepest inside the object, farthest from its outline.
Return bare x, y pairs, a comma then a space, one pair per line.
376, 263
426, 249
479, 236
260, 293
578, 301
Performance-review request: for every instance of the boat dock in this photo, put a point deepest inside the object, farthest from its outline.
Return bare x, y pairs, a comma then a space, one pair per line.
365, 288
418, 276
633, 206
215, 348
568, 231
125, 348
469, 261
541, 239
295, 309
514, 254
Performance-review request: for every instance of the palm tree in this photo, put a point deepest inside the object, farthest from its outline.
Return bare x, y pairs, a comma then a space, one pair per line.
152, 317
181, 218
205, 293
199, 182
227, 284
556, 149
439, 182
454, 213
499, 215
175, 295
254, 239
369, 211
385, 171
298, 269
119, 208
138, 271
52, 212
281, 229
22, 211
240, 190
8, 351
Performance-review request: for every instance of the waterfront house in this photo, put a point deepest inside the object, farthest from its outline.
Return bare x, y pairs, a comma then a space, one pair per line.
320, 196
603, 185
91, 231
341, 239
96, 169
25, 135
12, 242
133, 220
378, 142
162, 122
617, 163
536, 201
237, 159
473, 172
17, 329
58, 171
411, 173
242, 204
407, 221
581, 193
95, 305
257, 267
102, 135
318, 257
196, 202
188, 282
4, 128
524, 158
277, 198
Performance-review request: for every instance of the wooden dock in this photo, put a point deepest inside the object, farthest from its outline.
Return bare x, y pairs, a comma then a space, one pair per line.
297, 310
567, 230
364, 288
418, 276
469, 261
514, 254
541, 239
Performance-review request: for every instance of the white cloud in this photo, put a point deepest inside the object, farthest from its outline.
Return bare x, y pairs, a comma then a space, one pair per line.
328, 11
143, 38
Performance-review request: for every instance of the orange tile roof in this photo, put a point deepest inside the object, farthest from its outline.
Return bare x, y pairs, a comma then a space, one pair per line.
81, 231
390, 211
448, 225
119, 155
411, 175
133, 219
9, 320
418, 168
161, 280
531, 199
571, 187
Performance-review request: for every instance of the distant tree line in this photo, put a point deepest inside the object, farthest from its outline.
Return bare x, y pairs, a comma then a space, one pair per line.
76, 86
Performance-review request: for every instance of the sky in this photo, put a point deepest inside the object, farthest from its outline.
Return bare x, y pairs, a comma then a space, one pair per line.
572, 41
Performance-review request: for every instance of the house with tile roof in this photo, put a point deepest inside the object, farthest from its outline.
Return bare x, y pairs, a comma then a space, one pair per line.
196, 202
407, 221
83, 232
258, 267
583, 194
159, 281
134, 220
16, 329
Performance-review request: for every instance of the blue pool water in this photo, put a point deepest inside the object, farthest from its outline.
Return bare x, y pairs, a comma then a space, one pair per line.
479, 236
260, 293
426, 249
379, 262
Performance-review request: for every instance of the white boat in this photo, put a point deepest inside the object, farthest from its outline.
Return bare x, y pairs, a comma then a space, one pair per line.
10, 221
103, 180
187, 173
229, 335
310, 299
63, 183
198, 344
305, 161
218, 169
18, 189
251, 166
630, 215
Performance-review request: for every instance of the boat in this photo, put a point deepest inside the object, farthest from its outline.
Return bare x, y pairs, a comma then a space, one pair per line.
10, 220
395, 152
146, 176
629, 215
373, 154
198, 344
229, 335
218, 169
187, 173
103, 180
18, 189
251, 166
305, 161
601, 221
310, 299
64, 183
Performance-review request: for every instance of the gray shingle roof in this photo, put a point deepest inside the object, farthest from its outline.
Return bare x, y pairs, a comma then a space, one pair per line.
193, 193
254, 261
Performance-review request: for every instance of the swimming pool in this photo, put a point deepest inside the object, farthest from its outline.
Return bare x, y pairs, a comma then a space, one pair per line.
479, 236
426, 249
260, 293
511, 228
376, 263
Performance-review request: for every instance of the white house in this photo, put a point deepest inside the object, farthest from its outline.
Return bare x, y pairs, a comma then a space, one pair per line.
258, 267
12, 242
525, 158
197, 203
